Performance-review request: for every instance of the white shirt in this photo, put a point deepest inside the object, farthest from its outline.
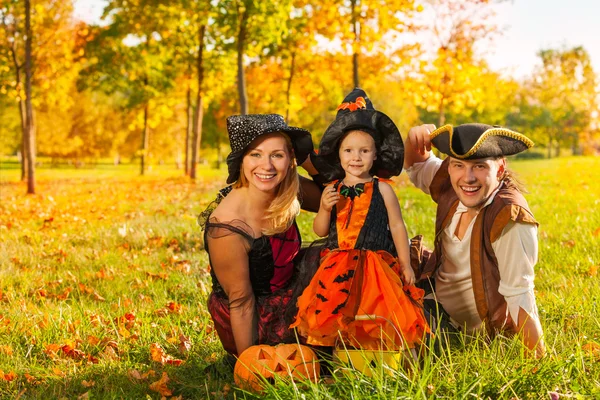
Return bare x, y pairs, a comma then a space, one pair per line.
516, 251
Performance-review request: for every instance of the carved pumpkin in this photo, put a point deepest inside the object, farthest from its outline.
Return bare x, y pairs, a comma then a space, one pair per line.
259, 363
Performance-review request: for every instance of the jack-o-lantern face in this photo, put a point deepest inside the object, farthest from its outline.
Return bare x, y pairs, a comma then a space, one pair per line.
285, 361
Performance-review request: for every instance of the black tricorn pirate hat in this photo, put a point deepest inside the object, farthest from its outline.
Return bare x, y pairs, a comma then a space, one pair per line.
357, 113
243, 129
475, 141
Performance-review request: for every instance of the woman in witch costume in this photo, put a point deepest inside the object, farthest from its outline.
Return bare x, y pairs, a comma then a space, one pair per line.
250, 232
365, 259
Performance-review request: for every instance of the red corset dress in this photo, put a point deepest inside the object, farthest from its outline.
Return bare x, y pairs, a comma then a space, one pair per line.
271, 269
359, 275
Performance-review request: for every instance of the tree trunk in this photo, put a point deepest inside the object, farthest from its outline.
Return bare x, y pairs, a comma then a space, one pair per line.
289, 86
549, 147
241, 78
197, 136
145, 139
23, 117
355, 44
29, 137
22, 109
442, 116
188, 128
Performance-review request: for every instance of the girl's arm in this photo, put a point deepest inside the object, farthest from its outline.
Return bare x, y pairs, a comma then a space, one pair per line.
232, 271
398, 229
329, 198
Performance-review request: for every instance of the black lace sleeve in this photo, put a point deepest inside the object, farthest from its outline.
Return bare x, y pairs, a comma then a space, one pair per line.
204, 216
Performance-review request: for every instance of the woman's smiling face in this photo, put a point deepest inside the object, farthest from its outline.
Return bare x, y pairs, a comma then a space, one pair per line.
267, 162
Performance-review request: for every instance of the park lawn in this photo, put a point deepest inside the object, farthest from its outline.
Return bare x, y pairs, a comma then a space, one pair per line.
103, 286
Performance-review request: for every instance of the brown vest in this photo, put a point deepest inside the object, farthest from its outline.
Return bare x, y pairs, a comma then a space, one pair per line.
508, 205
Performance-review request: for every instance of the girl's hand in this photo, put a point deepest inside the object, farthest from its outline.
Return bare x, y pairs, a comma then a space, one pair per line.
407, 274
329, 198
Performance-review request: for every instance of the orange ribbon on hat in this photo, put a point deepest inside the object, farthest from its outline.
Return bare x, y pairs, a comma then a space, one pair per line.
359, 103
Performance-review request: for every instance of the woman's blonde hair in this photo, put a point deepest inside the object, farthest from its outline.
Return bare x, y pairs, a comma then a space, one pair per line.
286, 205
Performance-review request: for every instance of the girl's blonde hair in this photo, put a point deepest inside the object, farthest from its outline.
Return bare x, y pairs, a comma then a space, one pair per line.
286, 205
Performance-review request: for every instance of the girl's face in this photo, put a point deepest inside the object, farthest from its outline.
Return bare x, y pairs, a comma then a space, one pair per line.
357, 153
267, 162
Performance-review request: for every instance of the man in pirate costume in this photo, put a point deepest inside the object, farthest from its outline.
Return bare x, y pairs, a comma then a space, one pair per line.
486, 245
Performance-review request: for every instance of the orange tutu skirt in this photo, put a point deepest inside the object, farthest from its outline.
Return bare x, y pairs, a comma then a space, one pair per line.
360, 282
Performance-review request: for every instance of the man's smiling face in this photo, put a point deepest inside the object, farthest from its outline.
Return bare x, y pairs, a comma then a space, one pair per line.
475, 180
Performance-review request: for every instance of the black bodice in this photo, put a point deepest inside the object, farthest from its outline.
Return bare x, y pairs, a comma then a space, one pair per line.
375, 233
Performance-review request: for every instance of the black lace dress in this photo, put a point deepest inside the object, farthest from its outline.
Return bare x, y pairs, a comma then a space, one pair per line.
271, 270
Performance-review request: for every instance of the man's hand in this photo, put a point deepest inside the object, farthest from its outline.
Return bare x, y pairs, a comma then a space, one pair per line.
418, 144
419, 137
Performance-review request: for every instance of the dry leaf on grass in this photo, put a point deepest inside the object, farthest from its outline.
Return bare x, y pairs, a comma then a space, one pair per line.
185, 345
9, 376
160, 385
158, 354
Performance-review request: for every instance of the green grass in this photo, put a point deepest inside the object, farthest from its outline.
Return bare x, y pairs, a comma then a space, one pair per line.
95, 244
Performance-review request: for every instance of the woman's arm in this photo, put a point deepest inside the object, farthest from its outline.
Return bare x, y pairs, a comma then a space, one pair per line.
310, 190
398, 230
229, 262
310, 194
321, 223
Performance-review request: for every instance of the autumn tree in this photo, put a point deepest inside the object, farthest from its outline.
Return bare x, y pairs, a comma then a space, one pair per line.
564, 87
367, 30
250, 26
451, 78
47, 50
129, 57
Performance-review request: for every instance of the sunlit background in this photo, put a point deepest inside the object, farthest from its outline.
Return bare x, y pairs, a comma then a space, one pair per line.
122, 82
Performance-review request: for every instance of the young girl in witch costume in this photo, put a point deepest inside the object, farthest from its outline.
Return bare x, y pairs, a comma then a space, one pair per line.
365, 259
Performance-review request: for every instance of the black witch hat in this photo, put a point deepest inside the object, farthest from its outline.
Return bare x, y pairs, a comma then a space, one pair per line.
475, 141
243, 129
357, 113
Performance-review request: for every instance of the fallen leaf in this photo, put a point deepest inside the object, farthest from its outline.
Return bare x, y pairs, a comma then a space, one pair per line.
88, 383
592, 349
226, 389
51, 350
185, 344
568, 243
135, 374
597, 232
73, 353
93, 340
110, 354
174, 307
158, 354
84, 396
30, 378
160, 385
58, 372
8, 377
593, 271
6, 349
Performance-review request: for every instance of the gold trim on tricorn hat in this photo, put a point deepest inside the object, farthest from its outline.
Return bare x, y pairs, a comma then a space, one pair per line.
475, 141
